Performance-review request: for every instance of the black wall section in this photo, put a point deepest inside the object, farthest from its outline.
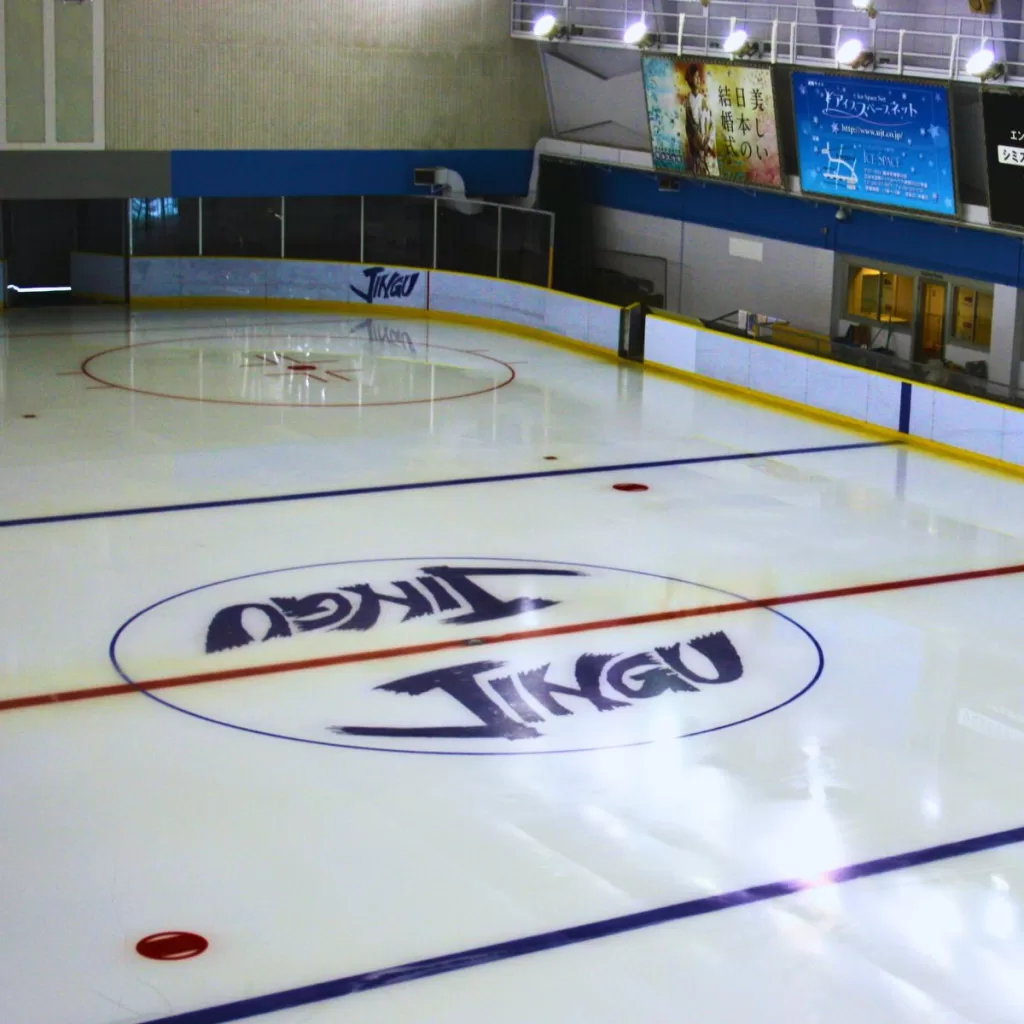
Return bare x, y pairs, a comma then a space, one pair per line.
38, 238
562, 190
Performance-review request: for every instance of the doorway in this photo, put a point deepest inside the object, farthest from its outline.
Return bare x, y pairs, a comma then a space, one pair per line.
930, 339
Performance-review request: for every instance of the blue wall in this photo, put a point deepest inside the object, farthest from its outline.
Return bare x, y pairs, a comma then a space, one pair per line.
491, 172
949, 249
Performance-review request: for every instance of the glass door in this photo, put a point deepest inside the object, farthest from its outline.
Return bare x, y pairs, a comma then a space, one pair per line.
931, 327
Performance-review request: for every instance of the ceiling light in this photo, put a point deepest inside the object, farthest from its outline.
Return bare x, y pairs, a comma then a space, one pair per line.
545, 25
739, 44
852, 54
983, 64
867, 6
548, 27
638, 34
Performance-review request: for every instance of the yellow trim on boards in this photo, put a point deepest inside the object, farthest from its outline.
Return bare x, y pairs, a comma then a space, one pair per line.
836, 418
850, 366
585, 348
398, 266
668, 317
363, 309
524, 284
595, 351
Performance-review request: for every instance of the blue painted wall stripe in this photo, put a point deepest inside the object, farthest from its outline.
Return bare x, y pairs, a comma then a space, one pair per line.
335, 172
946, 248
906, 394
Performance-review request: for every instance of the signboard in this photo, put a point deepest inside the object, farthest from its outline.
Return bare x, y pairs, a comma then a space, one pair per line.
1003, 114
712, 120
870, 140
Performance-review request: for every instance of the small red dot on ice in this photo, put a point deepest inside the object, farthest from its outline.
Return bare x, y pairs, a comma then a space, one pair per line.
171, 946
630, 487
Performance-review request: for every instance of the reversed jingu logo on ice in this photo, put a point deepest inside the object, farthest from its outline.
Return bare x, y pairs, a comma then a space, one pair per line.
358, 606
567, 676
384, 334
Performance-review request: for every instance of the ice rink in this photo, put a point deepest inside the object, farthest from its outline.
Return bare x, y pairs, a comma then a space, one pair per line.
357, 671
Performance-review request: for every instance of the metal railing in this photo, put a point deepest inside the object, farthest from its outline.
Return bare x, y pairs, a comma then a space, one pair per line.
928, 45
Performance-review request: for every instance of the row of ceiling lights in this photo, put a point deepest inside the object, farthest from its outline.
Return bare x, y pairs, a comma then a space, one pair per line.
851, 53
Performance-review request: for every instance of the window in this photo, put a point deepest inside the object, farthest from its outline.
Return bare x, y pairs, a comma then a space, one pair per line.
880, 295
972, 317
165, 226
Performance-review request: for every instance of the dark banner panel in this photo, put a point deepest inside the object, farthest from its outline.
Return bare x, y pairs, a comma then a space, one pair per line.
713, 120
1003, 115
870, 140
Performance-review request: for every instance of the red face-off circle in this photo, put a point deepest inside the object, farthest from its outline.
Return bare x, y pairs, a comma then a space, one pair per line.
171, 946
630, 487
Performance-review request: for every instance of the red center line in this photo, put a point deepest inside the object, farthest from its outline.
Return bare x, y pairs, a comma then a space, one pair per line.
359, 657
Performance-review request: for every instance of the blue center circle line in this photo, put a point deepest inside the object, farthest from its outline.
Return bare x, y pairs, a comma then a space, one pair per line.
112, 650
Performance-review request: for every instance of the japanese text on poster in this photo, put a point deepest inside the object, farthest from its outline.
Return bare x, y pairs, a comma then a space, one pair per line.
875, 141
712, 120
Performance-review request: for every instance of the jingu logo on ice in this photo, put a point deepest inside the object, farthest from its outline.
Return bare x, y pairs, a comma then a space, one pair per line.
382, 284
468, 656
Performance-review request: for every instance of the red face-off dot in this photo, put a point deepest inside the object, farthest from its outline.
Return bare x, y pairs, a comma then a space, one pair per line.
171, 946
630, 487
303, 366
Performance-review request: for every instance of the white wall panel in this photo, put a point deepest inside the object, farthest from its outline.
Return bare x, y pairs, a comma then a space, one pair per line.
1013, 436
838, 389
793, 282
572, 317
206, 276
671, 344
155, 278
884, 397
778, 373
969, 424
603, 326
922, 410
722, 358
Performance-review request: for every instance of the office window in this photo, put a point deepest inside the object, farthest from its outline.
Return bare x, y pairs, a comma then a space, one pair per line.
972, 316
880, 295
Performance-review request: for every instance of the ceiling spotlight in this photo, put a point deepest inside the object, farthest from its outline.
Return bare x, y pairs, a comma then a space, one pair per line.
638, 34
739, 44
547, 27
867, 6
852, 54
983, 64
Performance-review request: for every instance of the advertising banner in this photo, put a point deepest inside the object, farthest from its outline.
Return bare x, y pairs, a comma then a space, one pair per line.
875, 141
713, 120
1003, 113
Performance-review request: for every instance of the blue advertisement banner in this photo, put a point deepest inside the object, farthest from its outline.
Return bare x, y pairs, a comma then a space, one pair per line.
875, 141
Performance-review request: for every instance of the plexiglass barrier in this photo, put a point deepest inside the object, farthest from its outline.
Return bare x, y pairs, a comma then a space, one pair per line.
433, 233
